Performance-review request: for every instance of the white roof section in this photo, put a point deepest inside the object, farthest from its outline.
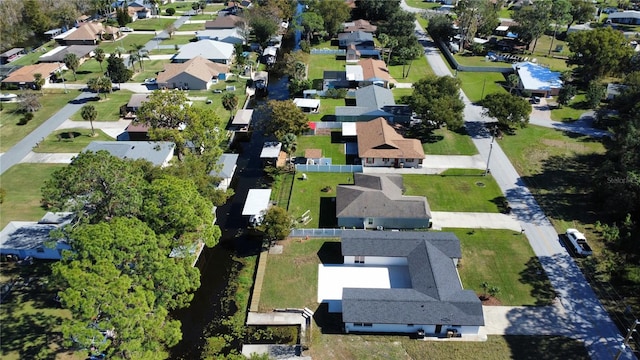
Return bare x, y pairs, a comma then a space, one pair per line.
306, 103
271, 150
332, 279
536, 77
349, 129
354, 73
231, 36
208, 49
502, 28
270, 51
242, 117
157, 152
257, 202
65, 34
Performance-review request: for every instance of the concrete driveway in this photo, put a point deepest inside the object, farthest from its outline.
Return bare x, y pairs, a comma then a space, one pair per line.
541, 116
474, 220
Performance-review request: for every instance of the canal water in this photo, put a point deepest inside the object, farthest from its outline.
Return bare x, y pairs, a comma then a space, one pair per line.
215, 263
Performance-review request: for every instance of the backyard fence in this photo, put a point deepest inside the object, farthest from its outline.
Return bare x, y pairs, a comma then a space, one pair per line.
317, 232
329, 168
328, 52
454, 63
328, 124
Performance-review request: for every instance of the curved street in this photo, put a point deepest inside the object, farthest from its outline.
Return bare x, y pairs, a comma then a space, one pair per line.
586, 318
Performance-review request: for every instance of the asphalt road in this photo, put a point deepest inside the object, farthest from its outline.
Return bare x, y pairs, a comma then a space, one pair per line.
589, 321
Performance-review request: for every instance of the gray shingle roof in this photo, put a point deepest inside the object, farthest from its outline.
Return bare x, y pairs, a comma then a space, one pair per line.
154, 151
436, 295
226, 162
374, 97
379, 196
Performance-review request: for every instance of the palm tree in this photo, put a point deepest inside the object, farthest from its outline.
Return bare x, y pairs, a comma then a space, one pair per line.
229, 102
141, 52
99, 55
289, 144
512, 81
89, 113
133, 58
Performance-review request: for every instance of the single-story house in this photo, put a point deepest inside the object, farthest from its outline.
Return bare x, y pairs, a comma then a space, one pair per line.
82, 52
359, 25
307, 105
24, 76
538, 80
376, 201
231, 36
135, 101
372, 102
237, 7
380, 145
375, 72
137, 131
361, 39
88, 33
353, 53
159, 153
614, 90
631, 17
400, 282
224, 22
225, 168
10, 55
30, 238
138, 11
212, 50
195, 74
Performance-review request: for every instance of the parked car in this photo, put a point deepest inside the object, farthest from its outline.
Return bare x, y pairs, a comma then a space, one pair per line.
579, 242
535, 100
217, 91
126, 29
150, 81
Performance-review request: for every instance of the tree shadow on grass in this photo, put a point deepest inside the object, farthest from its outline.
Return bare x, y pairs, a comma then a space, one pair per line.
534, 275
546, 347
327, 214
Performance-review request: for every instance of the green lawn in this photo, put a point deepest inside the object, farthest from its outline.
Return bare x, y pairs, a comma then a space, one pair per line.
178, 40
573, 111
88, 70
319, 63
335, 151
30, 320
192, 26
456, 190
503, 258
22, 183
421, 4
12, 133
32, 57
419, 69
151, 69
467, 59
157, 24
327, 109
70, 140
476, 85
308, 195
108, 109
557, 168
217, 98
447, 142
126, 42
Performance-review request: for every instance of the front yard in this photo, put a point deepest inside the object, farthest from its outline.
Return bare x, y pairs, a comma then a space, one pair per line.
446, 142
456, 190
70, 140
108, 109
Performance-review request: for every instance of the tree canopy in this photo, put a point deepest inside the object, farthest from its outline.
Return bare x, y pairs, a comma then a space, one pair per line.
277, 223
508, 109
333, 12
599, 52
533, 21
282, 117
437, 100
117, 70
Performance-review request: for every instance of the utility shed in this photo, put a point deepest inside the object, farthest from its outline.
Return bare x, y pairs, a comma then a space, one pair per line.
257, 202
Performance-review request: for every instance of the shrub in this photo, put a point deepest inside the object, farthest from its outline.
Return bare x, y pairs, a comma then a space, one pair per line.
26, 118
336, 93
170, 11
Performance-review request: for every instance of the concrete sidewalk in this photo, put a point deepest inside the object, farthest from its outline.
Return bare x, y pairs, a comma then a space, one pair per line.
49, 158
527, 320
474, 220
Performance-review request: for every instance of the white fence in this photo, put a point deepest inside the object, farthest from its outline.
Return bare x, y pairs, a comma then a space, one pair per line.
329, 51
317, 232
329, 168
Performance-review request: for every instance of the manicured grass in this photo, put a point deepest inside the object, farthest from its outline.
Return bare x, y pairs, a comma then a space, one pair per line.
557, 168
61, 141
108, 109
387, 347
327, 109
456, 190
192, 26
421, 4
217, 98
308, 195
296, 268
88, 70
419, 69
335, 151
503, 258
12, 133
447, 142
320, 63
202, 17
476, 85
32, 57
151, 69
157, 24
22, 183
126, 42
571, 112
163, 51
30, 320
178, 40
399, 93
467, 59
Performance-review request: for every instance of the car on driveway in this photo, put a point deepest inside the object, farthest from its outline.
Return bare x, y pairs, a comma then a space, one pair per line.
150, 81
535, 100
126, 29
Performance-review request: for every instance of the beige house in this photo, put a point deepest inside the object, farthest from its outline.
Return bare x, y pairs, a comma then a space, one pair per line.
195, 74
380, 145
24, 77
89, 33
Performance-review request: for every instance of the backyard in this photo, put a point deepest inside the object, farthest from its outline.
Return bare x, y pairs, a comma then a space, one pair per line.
447, 142
456, 190
22, 183
335, 151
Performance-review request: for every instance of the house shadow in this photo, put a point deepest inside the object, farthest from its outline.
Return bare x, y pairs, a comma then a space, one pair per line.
329, 323
327, 216
330, 253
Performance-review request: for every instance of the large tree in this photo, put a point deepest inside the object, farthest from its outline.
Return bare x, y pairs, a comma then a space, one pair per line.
100, 84
334, 13
120, 284
560, 14
437, 100
277, 223
72, 62
229, 102
441, 27
581, 11
533, 21
282, 117
99, 55
312, 23
599, 52
508, 109
117, 70
376, 9
263, 23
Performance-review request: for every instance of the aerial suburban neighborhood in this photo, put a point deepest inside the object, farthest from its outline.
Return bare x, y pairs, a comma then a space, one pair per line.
319, 179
